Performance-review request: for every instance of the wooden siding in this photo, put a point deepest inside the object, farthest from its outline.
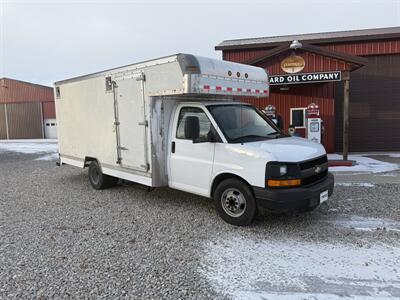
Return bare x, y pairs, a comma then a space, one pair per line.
314, 63
374, 106
374, 93
361, 48
244, 55
365, 48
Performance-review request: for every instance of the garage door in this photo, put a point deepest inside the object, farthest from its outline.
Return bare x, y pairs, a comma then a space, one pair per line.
374, 106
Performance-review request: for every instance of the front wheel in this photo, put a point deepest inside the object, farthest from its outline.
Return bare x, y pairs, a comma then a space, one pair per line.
235, 202
98, 180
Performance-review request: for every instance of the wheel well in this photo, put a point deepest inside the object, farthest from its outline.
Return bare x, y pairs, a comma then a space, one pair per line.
88, 160
222, 177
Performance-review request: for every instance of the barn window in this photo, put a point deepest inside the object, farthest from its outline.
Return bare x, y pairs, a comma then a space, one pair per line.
297, 117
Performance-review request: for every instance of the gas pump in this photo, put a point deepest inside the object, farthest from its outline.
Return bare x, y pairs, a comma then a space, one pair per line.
314, 123
271, 113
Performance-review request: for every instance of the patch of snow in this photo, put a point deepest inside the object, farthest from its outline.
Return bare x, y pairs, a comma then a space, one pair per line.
368, 224
261, 295
390, 154
346, 174
47, 149
387, 175
53, 156
364, 184
364, 164
29, 141
243, 268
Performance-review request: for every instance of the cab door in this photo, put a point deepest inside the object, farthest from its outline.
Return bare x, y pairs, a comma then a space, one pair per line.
191, 163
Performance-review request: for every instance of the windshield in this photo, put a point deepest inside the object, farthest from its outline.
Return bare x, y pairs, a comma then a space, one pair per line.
243, 123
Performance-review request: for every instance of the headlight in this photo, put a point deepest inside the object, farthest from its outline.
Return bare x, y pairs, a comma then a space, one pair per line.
277, 170
283, 170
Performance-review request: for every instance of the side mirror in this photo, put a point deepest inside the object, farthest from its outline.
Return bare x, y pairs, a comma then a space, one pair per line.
192, 128
213, 136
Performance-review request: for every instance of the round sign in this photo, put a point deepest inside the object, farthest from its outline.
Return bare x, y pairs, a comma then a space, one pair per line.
293, 64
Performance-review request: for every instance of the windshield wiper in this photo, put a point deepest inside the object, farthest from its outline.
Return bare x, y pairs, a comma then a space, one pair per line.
249, 136
278, 134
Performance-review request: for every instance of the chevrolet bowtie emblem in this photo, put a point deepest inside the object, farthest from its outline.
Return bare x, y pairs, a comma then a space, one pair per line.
317, 169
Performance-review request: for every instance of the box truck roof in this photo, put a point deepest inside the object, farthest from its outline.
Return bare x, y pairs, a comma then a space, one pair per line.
199, 75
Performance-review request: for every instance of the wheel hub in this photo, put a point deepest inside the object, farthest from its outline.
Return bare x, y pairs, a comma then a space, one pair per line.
233, 202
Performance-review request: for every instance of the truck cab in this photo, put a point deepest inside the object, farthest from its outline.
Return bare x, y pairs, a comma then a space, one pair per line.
231, 152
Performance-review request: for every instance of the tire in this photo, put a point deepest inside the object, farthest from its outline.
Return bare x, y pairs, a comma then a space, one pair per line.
235, 202
98, 180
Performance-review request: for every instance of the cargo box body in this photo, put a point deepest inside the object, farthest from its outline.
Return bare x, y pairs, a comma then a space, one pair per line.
121, 116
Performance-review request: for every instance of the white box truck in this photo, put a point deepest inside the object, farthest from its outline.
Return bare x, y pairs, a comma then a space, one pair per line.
173, 122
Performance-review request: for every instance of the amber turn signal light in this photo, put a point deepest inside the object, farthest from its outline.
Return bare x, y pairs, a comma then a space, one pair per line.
283, 183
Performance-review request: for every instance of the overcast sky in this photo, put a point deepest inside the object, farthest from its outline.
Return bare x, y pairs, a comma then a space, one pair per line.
45, 41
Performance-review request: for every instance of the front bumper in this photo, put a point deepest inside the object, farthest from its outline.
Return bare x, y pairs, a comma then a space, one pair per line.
293, 199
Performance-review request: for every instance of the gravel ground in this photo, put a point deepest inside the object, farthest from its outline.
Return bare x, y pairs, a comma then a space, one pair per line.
59, 238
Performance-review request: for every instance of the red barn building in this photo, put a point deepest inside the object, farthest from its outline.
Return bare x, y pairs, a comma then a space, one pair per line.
368, 61
26, 110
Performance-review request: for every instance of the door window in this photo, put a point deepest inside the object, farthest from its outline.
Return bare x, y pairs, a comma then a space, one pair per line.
205, 124
297, 117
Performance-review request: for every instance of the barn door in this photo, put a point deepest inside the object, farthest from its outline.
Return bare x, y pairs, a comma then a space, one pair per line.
131, 121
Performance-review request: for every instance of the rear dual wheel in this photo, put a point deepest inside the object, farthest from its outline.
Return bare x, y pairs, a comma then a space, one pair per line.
235, 202
98, 180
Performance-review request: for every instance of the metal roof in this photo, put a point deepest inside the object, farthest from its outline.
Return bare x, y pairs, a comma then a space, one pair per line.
313, 38
2, 79
140, 64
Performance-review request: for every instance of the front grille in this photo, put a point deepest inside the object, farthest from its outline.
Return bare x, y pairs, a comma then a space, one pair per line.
314, 178
314, 162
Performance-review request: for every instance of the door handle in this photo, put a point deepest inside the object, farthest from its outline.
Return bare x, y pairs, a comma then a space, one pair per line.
173, 147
